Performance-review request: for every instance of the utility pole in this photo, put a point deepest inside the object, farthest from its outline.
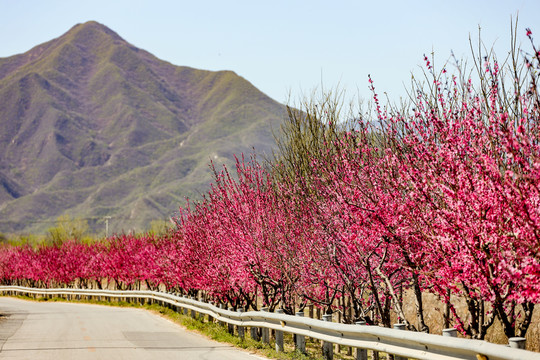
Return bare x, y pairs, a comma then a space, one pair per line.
107, 225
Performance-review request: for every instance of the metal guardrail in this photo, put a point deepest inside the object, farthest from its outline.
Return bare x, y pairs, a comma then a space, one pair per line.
402, 343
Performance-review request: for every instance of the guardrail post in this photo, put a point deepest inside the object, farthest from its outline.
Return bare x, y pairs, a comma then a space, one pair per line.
517, 342
230, 327
185, 308
400, 327
449, 332
300, 339
265, 331
241, 329
170, 304
361, 354
255, 333
222, 323
279, 335
193, 312
210, 317
176, 306
327, 350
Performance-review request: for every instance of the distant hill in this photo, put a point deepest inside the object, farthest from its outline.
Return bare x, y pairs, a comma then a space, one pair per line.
92, 126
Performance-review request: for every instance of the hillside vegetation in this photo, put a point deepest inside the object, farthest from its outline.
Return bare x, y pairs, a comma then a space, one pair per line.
92, 126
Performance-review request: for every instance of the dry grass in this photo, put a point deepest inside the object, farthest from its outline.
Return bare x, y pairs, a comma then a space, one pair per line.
433, 310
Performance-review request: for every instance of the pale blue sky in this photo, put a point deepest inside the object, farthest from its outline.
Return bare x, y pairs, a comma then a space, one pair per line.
284, 47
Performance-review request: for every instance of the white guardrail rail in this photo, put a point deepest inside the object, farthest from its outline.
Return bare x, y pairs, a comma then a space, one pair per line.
405, 344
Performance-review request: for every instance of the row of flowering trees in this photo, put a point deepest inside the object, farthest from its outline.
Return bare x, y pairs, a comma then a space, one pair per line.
439, 197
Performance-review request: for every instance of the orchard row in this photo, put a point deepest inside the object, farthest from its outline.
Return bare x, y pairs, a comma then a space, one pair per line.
441, 196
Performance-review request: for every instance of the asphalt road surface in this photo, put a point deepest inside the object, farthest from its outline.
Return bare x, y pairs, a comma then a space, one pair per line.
41, 330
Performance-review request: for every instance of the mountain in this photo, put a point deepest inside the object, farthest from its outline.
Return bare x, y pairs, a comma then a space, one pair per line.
91, 126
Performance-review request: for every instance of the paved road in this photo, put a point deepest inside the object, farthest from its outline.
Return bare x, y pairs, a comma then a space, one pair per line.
41, 330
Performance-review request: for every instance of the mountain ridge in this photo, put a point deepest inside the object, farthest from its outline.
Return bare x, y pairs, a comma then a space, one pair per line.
92, 126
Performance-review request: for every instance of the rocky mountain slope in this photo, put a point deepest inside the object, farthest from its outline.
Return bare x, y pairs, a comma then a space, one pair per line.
92, 126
